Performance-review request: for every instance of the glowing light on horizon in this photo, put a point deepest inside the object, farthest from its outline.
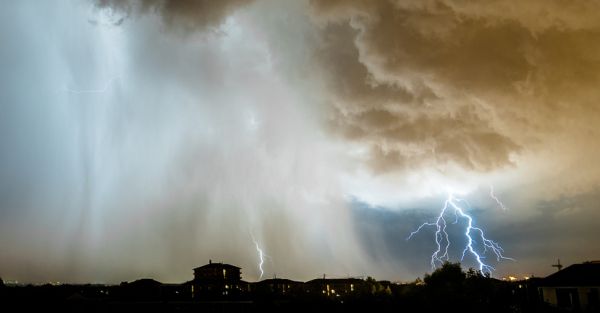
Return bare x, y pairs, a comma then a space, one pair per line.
442, 239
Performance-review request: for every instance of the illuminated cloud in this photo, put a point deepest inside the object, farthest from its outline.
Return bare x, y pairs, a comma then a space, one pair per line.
483, 86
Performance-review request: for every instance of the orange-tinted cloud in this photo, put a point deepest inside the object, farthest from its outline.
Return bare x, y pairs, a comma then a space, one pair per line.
451, 81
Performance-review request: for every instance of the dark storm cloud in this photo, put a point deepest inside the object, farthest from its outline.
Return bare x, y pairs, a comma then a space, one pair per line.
454, 81
129, 150
564, 228
420, 86
190, 15
385, 232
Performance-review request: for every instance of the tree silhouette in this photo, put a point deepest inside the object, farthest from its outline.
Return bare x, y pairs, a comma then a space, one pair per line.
445, 286
450, 275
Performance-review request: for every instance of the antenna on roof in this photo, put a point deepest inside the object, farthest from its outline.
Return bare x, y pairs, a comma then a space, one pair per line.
558, 265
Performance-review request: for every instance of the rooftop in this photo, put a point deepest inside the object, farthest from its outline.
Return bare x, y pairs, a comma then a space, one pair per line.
584, 274
216, 265
335, 280
278, 281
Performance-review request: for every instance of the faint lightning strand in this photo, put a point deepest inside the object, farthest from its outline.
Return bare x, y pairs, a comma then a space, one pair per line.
493, 196
442, 239
84, 91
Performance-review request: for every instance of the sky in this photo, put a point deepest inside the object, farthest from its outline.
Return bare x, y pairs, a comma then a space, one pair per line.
143, 139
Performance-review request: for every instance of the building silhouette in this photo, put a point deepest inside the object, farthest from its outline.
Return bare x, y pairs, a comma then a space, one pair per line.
277, 287
215, 280
218, 287
336, 287
574, 288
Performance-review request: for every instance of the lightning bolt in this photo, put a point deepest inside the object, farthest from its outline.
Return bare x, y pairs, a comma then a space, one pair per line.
261, 256
262, 259
493, 196
442, 239
84, 91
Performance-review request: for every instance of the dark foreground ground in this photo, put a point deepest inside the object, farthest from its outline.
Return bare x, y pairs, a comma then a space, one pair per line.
409, 298
447, 289
251, 306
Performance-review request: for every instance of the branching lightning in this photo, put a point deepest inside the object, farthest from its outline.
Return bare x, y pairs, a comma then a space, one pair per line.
472, 232
493, 196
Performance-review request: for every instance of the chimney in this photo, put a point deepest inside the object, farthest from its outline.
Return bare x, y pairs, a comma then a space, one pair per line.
210, 261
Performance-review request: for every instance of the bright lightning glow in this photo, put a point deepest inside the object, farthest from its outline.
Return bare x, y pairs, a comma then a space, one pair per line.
442, 238
493, 196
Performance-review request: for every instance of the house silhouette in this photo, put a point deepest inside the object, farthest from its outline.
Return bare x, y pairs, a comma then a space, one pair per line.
574, 288
215, 280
